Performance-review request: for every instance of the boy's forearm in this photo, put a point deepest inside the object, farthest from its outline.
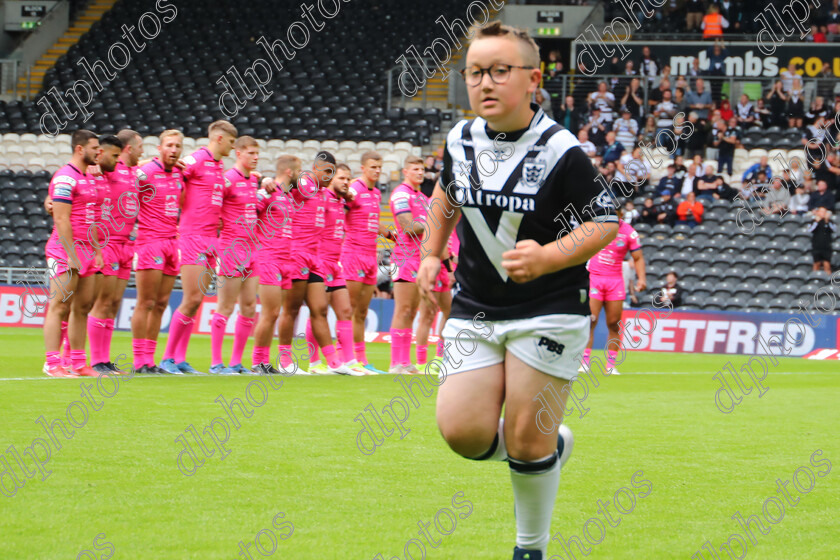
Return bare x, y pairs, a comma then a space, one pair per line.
567, 251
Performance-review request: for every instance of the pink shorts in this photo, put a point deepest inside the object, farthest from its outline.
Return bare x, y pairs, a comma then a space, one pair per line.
118, 256
442, 280
274, 271
238, 258
57, 260
359, 268
202, 250
408, 271
158, 254
302, 264
606, 288
333, 277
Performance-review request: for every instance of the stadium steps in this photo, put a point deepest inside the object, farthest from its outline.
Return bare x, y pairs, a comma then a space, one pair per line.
79, 27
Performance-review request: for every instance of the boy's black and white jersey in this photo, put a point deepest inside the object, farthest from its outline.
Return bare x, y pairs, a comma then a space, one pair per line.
534, 183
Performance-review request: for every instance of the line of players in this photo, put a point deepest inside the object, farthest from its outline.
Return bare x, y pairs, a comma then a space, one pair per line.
298, 237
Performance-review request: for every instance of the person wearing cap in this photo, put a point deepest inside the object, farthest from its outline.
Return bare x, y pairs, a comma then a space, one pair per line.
669, 182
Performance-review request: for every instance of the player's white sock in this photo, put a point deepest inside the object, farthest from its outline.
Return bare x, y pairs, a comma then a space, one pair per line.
534, 493
497, 451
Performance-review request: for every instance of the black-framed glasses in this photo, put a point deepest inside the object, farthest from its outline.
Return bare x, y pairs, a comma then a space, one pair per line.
499, 73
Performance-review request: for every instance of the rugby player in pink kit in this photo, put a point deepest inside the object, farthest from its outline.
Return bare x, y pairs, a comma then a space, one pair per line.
238, 251
119, 214
337, 297
161, 188
359, 259
274, 229
72, 256
408, 205
309, 196
606, 289
204, 181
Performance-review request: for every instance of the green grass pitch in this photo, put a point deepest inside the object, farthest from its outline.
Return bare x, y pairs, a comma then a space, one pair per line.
115, 490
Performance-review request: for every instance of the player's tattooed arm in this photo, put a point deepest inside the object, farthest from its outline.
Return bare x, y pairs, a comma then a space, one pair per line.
410, 225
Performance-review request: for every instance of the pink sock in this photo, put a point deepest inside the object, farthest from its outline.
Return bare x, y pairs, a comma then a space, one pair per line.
344, 334
138, 348
177, 326
422, 353
611, 354
396, 346
184, 341
218, 323
260, 355
331, 356
78, 358
359, 350
440, 348
106, 340
285, 356
64, 350
406, 347
151, 346
240, 338
95, 327
313, 343
586, 354
53, 359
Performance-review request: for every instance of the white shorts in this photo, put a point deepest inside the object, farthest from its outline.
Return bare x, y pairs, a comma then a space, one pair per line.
552, 344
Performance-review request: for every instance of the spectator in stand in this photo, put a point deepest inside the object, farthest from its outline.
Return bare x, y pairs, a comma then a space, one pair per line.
648, 66
597, 128
647, 135
679, 100
752, 171
632, 100
700, 100
761, 114
817, 109
604, 100
690, 211
694, 10
696, 143
777, 104
717, 56
655, 95
796, 105
554, 66
756, 188
664, 112
430, 176
821, 197
669, 182
826, 81
680, 169
682, 83
570, 116
706, 186
818, 34
671, 294
682, 130
626, 130
726, 141
726, 112
713, 23
664, 75
744, 112
799, 201
666, 211
695, 171
828, 171
796, 173
613, 149
588, 147
786, 77
777, 199
821, 230
649, 213
733, 12
629, 71
631, 214
543, 99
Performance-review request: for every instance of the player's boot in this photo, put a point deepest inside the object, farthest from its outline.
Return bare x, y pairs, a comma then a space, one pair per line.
221, 369
372, 370
357, 366
319, 369
168, 366
239, 368
612, 371
565, 443
157, 370
398, 369
113, 367
185, 367
411, 369
525, 554
102, 368
264, 369
85, 371
582, 368
344, 370
57, 371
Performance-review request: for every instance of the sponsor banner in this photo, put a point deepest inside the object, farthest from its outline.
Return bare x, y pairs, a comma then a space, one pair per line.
743, 60
724, 332
824, 354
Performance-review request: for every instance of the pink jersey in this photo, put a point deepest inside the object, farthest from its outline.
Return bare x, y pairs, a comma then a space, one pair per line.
406, 199
274, 232
160, 193
239, 208
120, 207
330, 249
71, 186
102, 190
362, 219
308, 223
204, 182
608, 261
